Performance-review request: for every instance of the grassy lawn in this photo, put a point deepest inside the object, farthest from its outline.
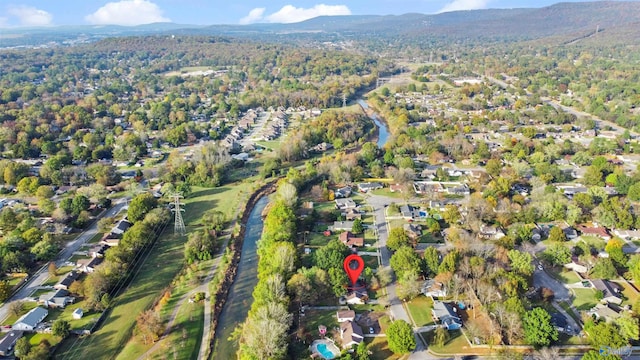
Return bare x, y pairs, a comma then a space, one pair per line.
370, 238
318, 239
315, 318
225, 199
629, 293
182, 343
36, 338
26, 306
164, 262
273, 144
566, 277
380, 349
387, 192
584, 299
420, 310
370, 262
456, 344
430, 238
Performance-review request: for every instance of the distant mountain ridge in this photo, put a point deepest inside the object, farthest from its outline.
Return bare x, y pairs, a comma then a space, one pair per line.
562, 19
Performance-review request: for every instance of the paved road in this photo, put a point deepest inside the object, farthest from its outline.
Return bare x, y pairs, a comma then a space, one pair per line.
37, 279
541, 278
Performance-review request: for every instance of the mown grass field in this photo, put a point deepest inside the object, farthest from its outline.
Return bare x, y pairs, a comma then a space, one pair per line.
164, 262
420, 310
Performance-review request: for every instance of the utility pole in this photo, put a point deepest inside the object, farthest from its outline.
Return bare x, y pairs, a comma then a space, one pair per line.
179, 228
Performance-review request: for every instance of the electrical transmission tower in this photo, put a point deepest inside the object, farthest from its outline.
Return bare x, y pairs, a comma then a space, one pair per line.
344, 100
179, 227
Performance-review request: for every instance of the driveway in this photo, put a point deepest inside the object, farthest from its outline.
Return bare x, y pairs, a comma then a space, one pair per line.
560, 291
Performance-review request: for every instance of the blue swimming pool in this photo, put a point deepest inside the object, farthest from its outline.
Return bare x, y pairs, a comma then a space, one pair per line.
326, 349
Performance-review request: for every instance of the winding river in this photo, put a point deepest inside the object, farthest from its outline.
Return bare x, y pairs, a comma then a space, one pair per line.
383, 132
240, 295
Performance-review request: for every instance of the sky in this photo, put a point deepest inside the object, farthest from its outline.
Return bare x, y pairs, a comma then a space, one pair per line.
30, 13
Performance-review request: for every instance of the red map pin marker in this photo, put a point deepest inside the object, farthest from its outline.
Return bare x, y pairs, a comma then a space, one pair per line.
353, 266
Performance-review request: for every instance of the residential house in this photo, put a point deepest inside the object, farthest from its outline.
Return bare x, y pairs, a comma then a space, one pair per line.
30, 320
577, 266
627, 234
570, 232
408, 212
352, 214
343, 192
605, 311
345, 203
77, 314
433, 289
491, 232
368, 186
446, 315
351, 334
111, 239
413, 231
351, 240
462, 189
611, 292
122, 226
98, 251
88, 265
346, 315
357, 298
426, 187
66, 281
341, 226
595, 230
56, 299
9, 341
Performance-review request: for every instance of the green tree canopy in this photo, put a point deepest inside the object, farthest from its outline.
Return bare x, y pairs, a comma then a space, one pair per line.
140, 206
400, 337
538, 330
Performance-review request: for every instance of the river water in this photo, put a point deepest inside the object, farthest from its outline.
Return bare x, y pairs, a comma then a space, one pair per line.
239, 299
383, 132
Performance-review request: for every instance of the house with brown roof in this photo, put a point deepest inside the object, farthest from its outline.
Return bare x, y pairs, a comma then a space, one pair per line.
351, 334
595, 230
351, 240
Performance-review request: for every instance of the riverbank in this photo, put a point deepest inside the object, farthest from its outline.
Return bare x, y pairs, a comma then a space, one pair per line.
219, 299
382, 135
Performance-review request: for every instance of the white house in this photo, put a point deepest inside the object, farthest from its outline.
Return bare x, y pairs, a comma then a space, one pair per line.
30, 320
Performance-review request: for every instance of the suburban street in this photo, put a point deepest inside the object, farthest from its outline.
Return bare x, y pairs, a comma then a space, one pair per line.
36, 280
396, 308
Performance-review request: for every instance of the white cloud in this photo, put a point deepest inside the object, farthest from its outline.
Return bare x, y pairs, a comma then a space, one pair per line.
465, 5
128, 13
30, 16
291, 14
255, 15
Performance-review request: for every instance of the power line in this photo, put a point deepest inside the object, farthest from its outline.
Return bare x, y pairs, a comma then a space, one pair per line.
179, 228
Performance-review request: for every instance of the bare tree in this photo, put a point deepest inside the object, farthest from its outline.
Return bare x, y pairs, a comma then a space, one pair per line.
16, 308
547, 353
